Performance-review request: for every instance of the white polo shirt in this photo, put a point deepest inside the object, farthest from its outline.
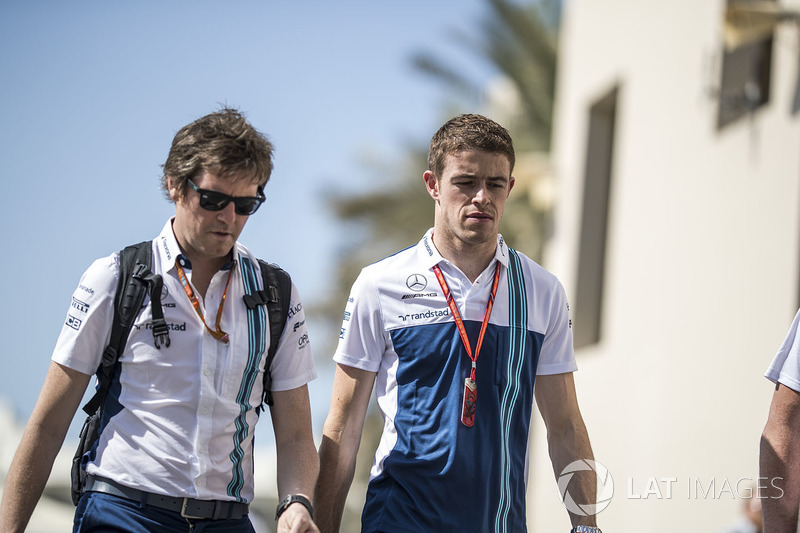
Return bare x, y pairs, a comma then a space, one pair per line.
182, 417
430, 472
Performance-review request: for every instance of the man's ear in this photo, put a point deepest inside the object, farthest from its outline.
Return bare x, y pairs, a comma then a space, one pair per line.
432, 184
511, 183
174, 193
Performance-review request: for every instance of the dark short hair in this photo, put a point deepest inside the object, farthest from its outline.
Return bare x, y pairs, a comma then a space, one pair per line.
222, 143
468, 132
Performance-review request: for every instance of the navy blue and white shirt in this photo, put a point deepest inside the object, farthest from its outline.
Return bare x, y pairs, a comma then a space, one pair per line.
183, 416
432, 473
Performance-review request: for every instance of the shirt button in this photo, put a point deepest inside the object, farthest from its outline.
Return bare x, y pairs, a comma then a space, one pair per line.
206, 372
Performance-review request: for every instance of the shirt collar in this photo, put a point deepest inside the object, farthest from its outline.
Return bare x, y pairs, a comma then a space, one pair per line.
431, 256
168, 249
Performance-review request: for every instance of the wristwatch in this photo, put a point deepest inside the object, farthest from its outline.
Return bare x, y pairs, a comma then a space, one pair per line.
585, 529
289, 500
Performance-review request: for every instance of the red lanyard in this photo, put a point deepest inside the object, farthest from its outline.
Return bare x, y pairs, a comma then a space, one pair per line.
216, 333
470, 385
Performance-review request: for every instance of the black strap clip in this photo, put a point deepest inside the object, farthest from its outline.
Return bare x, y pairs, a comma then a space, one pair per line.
160, 333
261, 297
141, 272
160, 328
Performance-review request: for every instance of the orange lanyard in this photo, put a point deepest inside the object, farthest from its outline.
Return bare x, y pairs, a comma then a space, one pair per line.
470, 385
217, 333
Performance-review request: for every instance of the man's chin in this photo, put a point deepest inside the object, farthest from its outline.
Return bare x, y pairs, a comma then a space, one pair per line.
218, 252
479, 237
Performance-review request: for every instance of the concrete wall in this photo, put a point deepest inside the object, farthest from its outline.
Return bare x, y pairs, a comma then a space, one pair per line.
701, 270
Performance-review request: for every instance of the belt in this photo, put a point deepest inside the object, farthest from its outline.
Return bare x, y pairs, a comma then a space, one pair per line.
187, 507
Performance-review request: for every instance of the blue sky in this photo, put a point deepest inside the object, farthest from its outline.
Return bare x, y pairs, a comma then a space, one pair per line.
93, 92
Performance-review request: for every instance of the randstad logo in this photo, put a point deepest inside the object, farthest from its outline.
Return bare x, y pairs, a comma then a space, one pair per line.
605, 487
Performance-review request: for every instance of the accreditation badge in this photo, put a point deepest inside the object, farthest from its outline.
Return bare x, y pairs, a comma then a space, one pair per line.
470, 399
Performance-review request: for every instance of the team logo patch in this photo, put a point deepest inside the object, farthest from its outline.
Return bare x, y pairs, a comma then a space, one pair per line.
416, 282
74, 322
419, 295
83, 307
88, 290
302, 341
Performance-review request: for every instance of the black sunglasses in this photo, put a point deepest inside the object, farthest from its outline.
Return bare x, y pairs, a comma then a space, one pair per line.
216, 201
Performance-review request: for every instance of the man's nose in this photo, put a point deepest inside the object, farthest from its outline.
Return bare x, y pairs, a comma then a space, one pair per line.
227, 213
480, 196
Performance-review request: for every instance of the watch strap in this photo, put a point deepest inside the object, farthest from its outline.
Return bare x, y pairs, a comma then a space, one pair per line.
585, 529
294, 498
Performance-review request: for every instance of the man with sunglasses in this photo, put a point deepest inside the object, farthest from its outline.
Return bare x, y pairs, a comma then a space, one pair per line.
176, 452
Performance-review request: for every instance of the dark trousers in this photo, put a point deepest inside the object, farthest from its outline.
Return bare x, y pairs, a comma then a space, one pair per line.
99, 512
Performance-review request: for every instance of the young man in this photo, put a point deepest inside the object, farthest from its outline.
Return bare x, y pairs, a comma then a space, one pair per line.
176, 450
780, 442
452, 332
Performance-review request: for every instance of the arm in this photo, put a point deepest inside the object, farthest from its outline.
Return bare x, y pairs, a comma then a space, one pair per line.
567, 438
44, 434
341, 438
780, 462
298, 464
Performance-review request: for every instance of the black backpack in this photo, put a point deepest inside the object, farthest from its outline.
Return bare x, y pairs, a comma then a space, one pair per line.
135, 281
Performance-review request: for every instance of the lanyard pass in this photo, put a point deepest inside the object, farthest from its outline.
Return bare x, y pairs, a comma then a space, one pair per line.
470, 402
470, 385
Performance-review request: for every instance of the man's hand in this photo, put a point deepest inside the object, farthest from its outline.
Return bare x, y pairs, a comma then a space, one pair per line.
295, 519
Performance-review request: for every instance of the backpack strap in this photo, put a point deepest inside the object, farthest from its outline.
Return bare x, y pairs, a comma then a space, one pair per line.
135, 278
276, 295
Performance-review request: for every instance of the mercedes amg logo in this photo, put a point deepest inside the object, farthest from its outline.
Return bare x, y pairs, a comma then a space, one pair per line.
416, 282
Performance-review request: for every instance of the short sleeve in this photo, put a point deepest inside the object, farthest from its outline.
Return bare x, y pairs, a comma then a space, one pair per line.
785, 367
293, 365
87, 326
558, 355
361, 339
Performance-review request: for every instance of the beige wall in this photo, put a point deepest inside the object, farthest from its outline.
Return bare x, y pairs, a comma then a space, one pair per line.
702, 268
